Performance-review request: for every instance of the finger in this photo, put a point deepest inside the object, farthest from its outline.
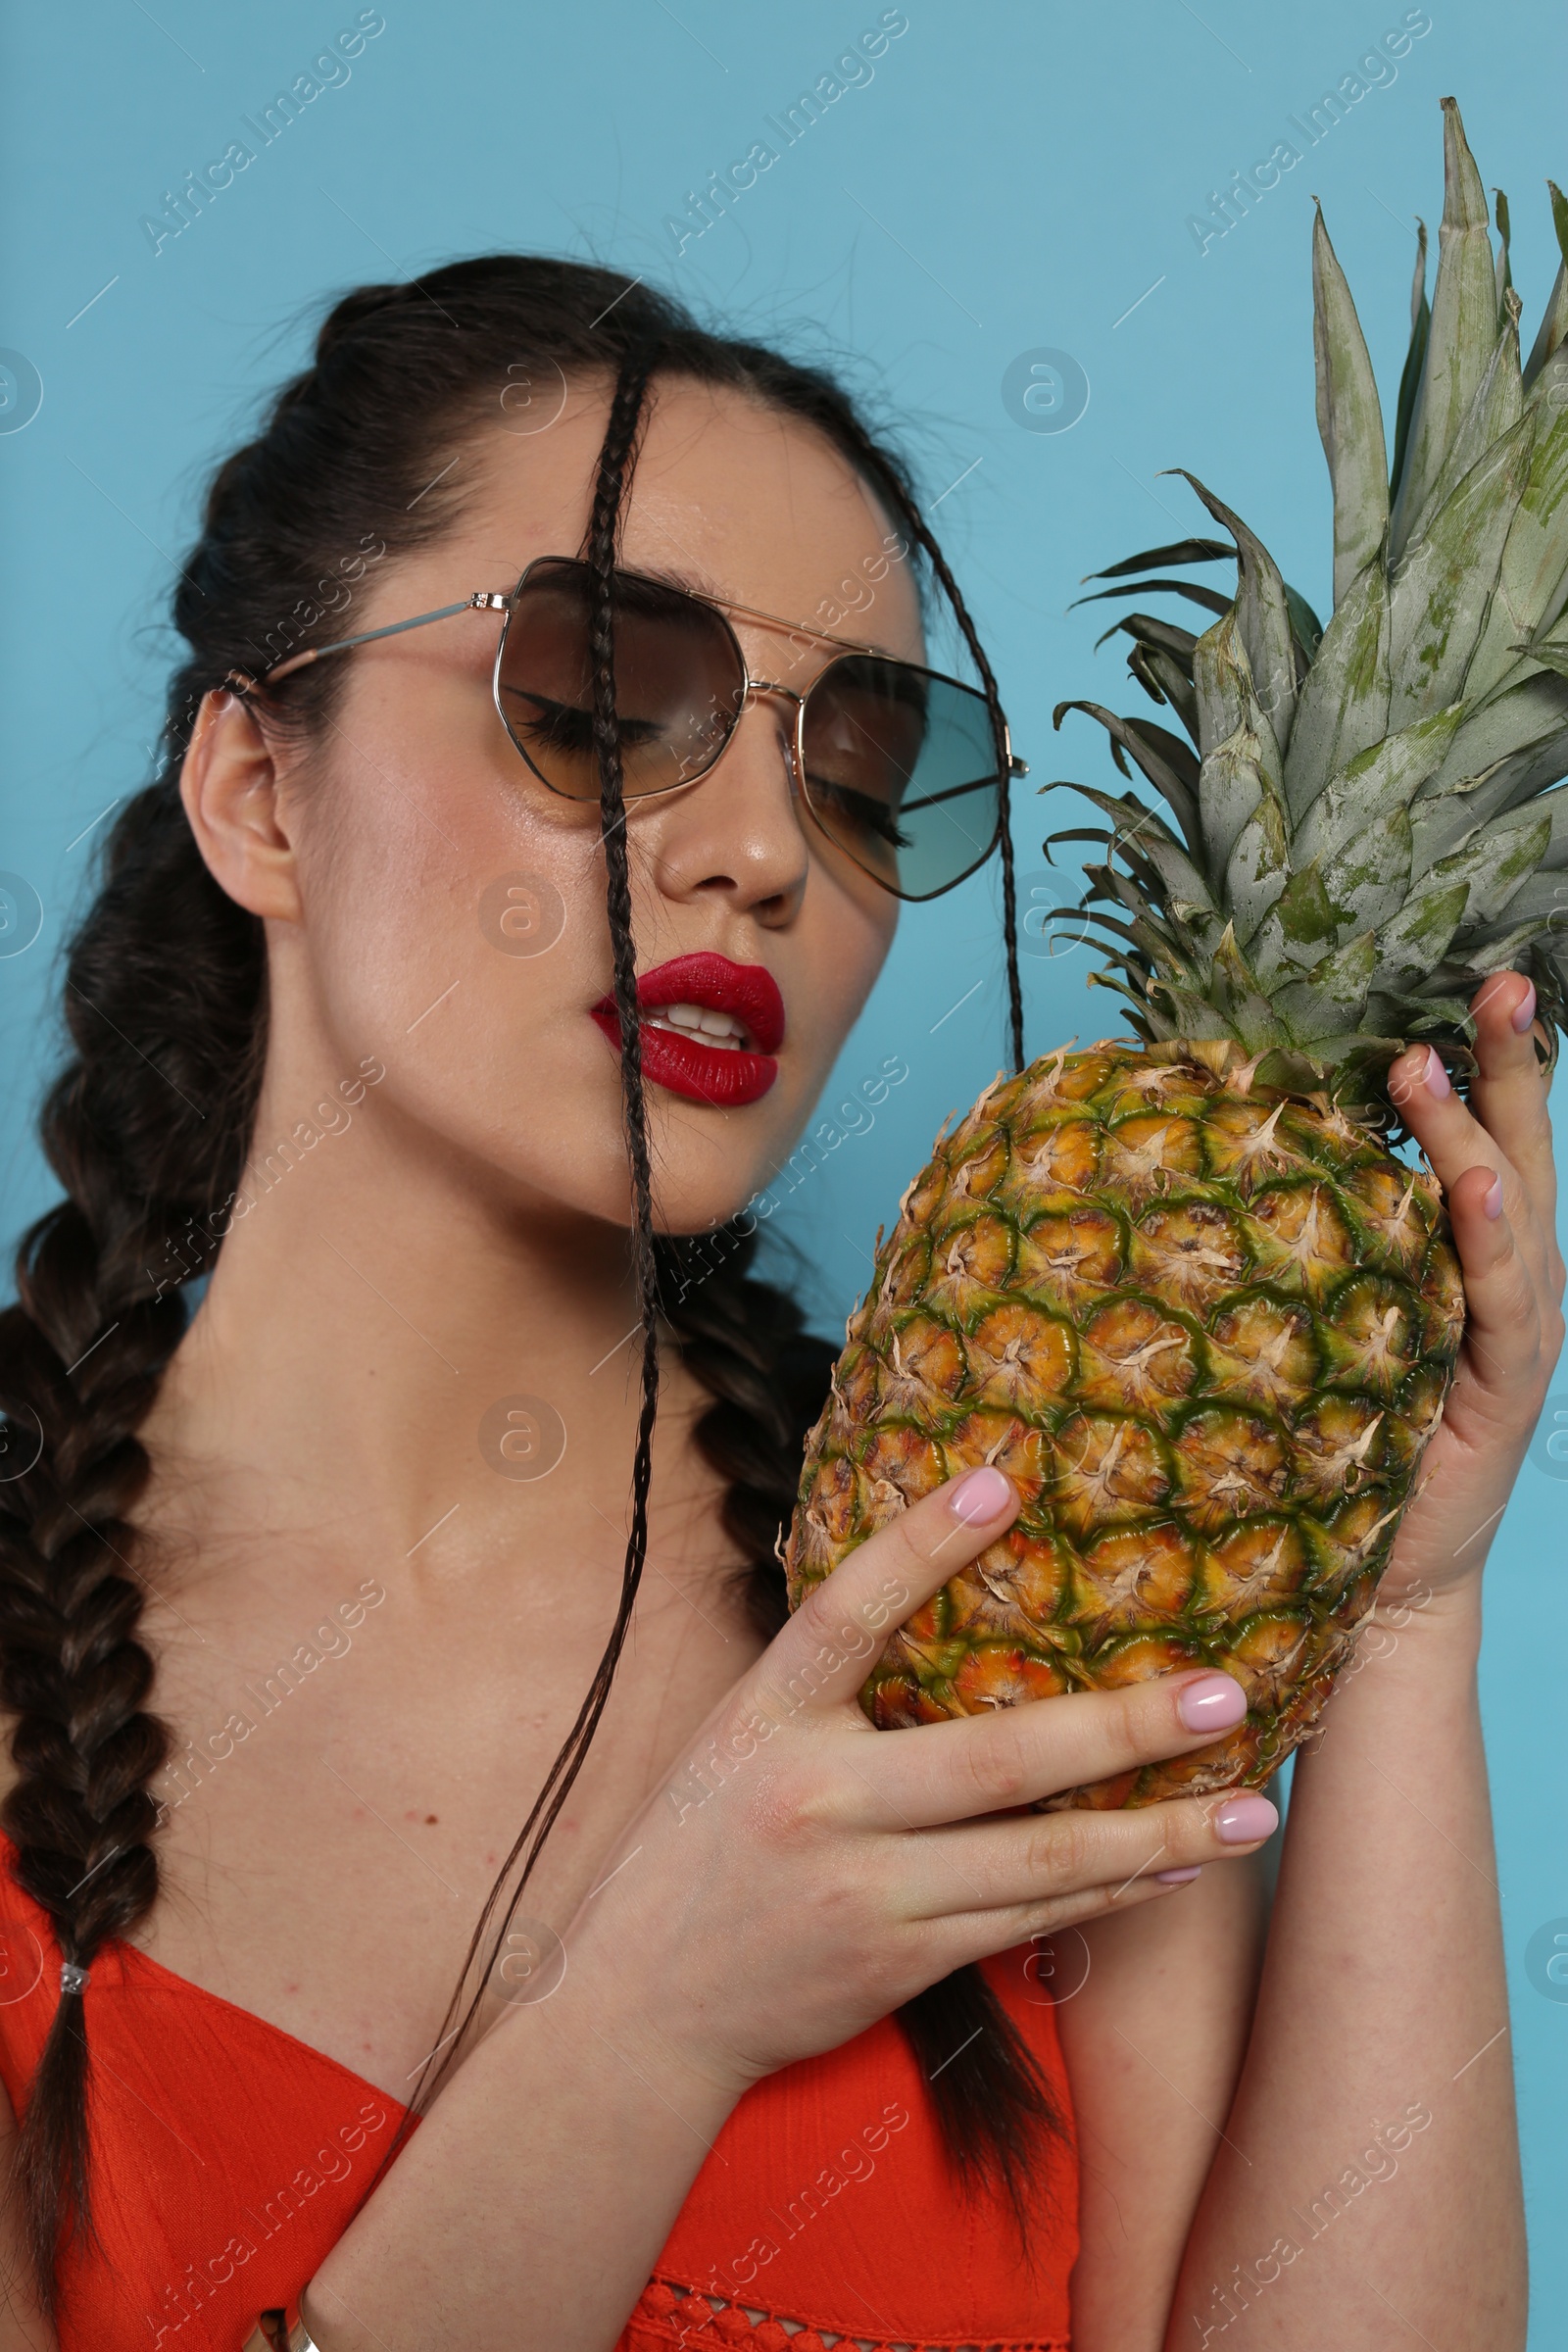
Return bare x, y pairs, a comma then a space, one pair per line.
1508, 1093
975, 1764
992, 1865
1504, 1308
830, 1645
1452, 1136
974, 1935
979, 1935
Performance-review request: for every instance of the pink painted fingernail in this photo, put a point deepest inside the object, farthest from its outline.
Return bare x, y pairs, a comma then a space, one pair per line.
1242, 1819
1179, 1878
1436, 1077
1492, 1203
980, 1494
1525, 1012
1214, 1702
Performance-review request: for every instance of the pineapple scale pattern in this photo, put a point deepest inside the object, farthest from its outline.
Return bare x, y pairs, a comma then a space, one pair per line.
1207, 1327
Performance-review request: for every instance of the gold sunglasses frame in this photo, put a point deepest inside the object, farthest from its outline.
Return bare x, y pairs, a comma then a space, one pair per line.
490, 600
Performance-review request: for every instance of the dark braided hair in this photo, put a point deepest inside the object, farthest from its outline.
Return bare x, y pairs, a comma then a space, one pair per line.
149, 1123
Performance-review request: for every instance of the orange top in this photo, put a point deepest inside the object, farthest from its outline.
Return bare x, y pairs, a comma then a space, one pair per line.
228, 2158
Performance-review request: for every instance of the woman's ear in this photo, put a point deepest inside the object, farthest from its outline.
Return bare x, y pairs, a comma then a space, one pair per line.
229, 784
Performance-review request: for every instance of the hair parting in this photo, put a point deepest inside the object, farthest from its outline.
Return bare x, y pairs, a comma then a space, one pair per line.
149, 1123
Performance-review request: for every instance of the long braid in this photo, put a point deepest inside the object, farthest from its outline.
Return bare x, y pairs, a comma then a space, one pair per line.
746, 1343
81, 1359
768, 1377
615, 471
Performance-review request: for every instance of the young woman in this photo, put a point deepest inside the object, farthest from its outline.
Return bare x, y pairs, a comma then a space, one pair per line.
435, 990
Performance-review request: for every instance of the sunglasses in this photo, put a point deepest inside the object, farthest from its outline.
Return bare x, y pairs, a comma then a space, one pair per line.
897, 765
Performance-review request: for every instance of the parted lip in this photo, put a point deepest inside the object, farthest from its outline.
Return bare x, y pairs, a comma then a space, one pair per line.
748, 990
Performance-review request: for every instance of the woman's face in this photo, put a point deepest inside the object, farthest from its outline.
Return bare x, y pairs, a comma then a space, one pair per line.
451, 908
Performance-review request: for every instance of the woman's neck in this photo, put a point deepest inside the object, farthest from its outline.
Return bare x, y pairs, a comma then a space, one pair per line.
384, 1334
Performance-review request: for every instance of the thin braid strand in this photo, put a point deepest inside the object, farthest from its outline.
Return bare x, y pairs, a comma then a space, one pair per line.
614, 470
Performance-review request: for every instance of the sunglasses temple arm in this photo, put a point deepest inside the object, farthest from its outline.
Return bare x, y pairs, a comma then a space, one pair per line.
483, 599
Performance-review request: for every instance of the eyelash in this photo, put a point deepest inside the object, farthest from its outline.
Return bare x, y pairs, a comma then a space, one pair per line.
566, 727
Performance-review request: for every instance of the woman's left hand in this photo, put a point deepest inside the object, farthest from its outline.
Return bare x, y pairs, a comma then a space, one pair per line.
1495, 1163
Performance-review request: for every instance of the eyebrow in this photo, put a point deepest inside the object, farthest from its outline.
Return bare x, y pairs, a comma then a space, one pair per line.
697, 583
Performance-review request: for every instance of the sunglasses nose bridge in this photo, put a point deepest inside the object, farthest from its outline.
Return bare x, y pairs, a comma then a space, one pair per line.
762, 690
764, 686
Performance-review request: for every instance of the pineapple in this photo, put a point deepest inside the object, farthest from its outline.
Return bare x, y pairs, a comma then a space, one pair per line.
1178, 1286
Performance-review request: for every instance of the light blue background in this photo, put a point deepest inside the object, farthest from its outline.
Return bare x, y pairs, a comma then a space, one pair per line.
1013, 177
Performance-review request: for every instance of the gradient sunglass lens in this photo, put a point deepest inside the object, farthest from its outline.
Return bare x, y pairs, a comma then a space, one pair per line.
900, 765
679, 682
901, 771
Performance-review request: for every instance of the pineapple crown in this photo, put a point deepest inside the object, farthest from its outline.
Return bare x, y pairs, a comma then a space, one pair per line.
1361, 826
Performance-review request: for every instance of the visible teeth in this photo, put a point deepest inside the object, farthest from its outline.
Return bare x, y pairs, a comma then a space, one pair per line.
715, 1028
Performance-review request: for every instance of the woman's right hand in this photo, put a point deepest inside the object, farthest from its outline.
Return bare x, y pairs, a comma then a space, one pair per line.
804, 1874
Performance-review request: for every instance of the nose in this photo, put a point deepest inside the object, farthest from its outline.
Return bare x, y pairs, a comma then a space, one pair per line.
736, 832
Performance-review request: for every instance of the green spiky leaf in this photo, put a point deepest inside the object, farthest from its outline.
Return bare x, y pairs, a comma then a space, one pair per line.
1378, 817
1132, 735
1380, 782
1349, 417
1344, 704
1415, 353
1440, 593
1532, 569
1260, 865
1262, 619
1334, 992
1461, 333
1492, 866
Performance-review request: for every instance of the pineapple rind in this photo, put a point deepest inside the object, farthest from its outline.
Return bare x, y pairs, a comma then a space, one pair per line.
1207, 1326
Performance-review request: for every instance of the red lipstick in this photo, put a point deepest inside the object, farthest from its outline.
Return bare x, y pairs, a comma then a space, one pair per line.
697, 1063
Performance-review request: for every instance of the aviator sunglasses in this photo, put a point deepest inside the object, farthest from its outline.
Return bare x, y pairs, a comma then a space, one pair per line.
896, 765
